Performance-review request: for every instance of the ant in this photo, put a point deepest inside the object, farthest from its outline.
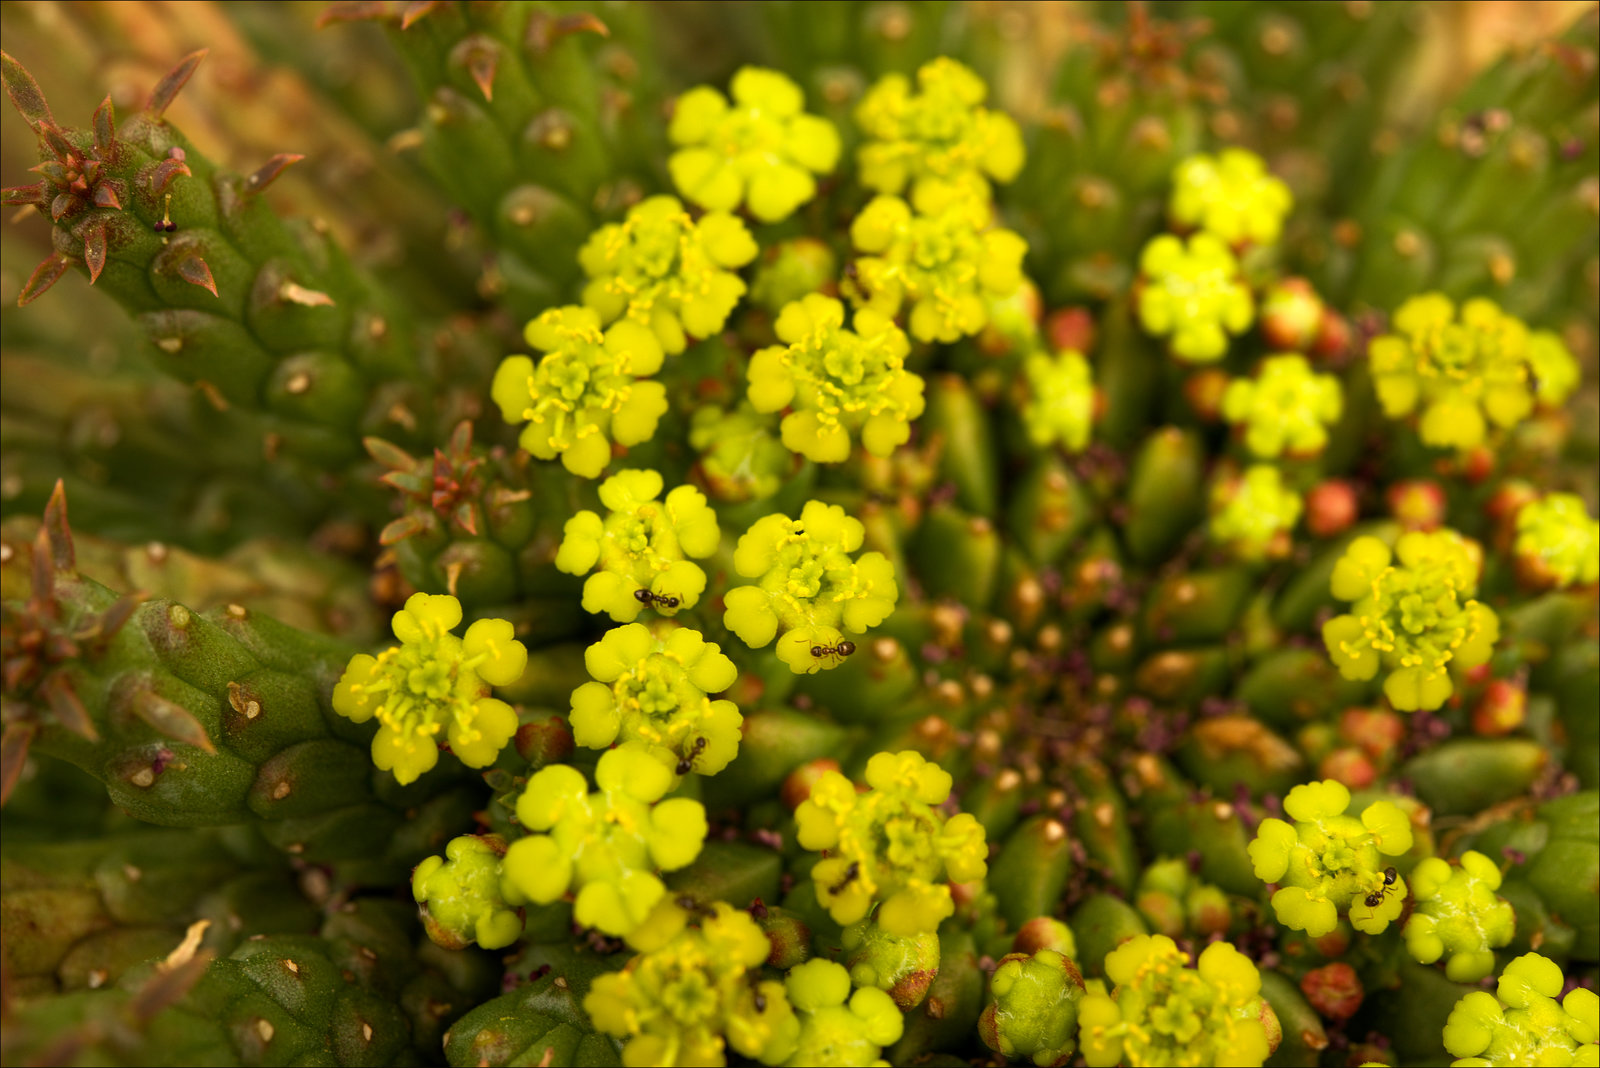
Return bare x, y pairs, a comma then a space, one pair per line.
850, 875
1375, 898
645, 597
687, 763
761, 1002
844, 648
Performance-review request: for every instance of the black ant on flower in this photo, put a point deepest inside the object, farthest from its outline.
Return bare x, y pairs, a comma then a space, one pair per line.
1375, 898
686, 764
645, 597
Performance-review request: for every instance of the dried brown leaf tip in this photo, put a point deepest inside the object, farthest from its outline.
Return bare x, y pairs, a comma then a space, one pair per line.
84, 185
39, 644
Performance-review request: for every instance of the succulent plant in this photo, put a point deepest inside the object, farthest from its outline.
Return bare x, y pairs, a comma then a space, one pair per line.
914, 532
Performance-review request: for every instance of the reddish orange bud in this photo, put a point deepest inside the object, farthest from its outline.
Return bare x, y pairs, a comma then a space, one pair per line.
1334, 336
1291, 315
1331, 508
1070, 330
1418, 503
1335, 943
1204, 390
1478, 464
1334, 990
1350, 766
796, 789
1502, 709
1378, 731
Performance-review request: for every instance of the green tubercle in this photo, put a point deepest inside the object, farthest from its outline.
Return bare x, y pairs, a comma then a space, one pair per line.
762, 150
586, 391
836, 1026
890, 845
1192, 294
693, 991
808, 591
461, 898
434, 682
1412, 615
1462, 373
663, 269
640, 547
605, 846
1231, 196
650, 691
837, 382
1558, 538
1326, 862
945, 259
1161, 1011
938, 131
1525, 1024
1458, 913
1060, 406
1286, 407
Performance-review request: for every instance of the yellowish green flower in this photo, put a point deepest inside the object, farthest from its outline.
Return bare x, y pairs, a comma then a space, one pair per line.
1456, 371
1032, 1012
839, 382
807, 587
836, 1026
1458, 912
585, 391
1231, 196
693, 991
434, 682
742, 457
1163, 1012
651, 692
939, 131
1555, 371
1192, 295
890, 846
762, 150
663, 269
640, 547
1060, 406
1414, 618
1327, 863
604, 846
1556, 534
461, 897
1255, 514
1525, 1024
946, 260
1285, 408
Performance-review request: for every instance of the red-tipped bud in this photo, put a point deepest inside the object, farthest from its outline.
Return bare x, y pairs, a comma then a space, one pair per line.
1043, 932
1376, 730
1477, 464
1203, 390
1334, 337
1334, 990
1331, 508
796, 789
544, 741
1419, 504
1334, 944
1502, 709
1070, 330
1291, 315
1350, 766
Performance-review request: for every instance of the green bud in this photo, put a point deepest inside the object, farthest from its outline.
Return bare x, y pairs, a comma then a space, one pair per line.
1033, 1008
